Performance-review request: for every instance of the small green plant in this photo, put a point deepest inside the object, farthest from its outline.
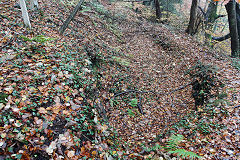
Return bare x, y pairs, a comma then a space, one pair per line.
39, 38
131, 113
3, 97
174, 141
36, 48
134, 102
121, 61
154, 148
236, 63
185, 154
205, 83
173, 148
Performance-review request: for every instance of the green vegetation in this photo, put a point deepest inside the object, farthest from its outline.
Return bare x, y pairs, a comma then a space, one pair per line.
39, 38
3, 98
205, 83
173, 148
236, 63
112, 87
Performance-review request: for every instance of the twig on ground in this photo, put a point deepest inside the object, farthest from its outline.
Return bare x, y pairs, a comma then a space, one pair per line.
136, 91
153, 92
139, 105
10, 41
180, 88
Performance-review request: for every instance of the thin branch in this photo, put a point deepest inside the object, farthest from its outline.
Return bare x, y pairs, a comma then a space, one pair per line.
204, 14
180, 88
153, 92
136, 91
71, 16
139, 105
223, 38
219, 16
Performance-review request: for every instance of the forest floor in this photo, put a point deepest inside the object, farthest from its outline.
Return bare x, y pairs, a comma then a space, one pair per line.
113, 86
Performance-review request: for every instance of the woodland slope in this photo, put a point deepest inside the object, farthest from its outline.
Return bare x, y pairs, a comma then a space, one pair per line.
114, 85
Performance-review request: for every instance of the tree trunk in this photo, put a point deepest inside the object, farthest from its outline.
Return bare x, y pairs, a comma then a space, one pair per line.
232, 20
193, 16
33, 4
24, 13
158, 10
71, 16
211, 14
238, 22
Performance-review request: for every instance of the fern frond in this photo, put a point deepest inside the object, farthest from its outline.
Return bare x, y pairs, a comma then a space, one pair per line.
185, 154
38, 38
175, 139
42, 39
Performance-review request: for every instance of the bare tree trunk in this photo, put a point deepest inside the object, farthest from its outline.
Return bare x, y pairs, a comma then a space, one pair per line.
232, 20
238, 22
33, 4
24, 13
193, 16
158, 10
71, 16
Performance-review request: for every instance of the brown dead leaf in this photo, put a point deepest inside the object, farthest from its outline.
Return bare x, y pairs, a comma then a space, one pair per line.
42, 110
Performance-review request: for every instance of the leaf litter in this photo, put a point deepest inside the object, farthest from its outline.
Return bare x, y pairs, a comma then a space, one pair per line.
58, 95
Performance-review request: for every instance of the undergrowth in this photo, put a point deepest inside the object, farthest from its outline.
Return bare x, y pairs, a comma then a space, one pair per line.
236, 63
210, 102
205, 83
172, 146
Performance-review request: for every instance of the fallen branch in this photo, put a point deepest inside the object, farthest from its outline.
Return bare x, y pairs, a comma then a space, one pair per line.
71, 16
180, 88
136, 91
219, 16
153, 92
223, 38
139, 105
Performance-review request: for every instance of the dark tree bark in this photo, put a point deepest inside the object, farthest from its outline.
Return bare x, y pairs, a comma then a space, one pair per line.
238, 21
193, 16
232, 20
158, 10
71, 16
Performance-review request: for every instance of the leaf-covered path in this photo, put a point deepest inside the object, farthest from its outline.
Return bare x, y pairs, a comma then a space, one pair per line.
160, 58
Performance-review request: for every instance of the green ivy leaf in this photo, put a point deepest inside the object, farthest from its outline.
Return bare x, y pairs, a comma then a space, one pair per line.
134, 102
19, 156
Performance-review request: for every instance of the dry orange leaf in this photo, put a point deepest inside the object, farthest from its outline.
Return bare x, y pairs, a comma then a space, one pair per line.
56, 109
94, 152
